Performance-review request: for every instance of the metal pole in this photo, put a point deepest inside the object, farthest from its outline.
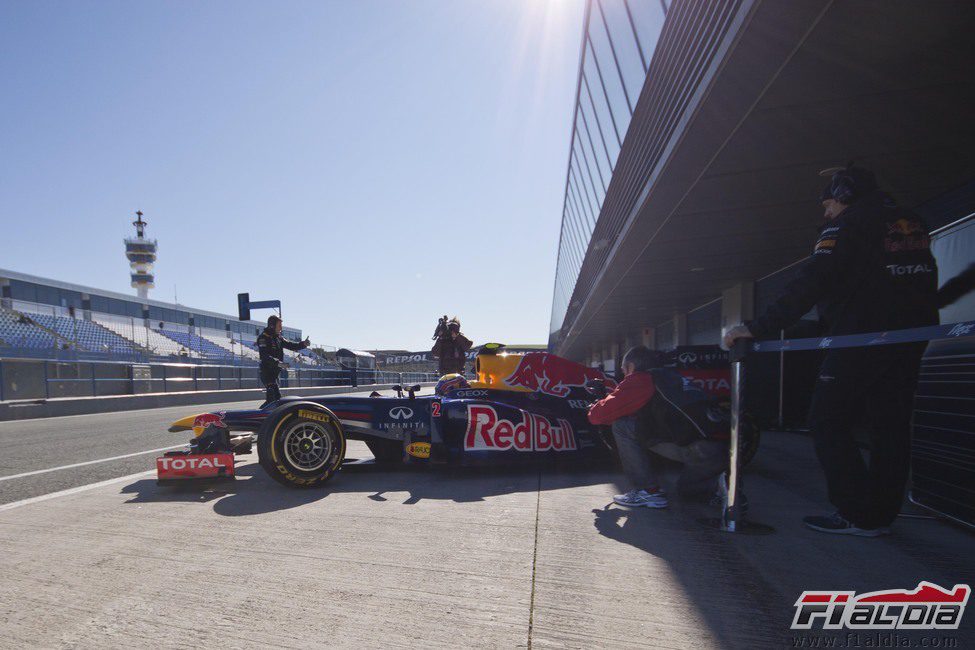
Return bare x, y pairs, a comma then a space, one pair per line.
730, 516
94, 386
781, 383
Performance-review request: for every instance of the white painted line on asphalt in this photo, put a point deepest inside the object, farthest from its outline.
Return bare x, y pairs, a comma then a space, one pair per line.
74, 490
89, 462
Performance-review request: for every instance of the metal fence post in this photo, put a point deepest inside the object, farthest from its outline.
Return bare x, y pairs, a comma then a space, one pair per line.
94, 386
731, 515
47, 383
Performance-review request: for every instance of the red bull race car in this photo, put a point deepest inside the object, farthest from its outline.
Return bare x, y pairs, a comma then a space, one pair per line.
520, 408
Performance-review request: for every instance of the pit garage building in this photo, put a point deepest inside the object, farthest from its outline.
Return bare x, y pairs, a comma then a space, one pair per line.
700, 128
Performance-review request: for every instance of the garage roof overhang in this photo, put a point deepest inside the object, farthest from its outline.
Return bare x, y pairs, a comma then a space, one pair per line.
801, 87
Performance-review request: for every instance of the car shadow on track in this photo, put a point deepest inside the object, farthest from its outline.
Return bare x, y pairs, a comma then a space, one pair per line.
255, 493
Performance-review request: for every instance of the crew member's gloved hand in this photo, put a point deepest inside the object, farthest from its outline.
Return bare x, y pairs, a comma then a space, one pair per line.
733, 334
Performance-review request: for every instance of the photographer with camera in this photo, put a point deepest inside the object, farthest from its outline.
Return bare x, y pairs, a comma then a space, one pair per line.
451, 346
271, 345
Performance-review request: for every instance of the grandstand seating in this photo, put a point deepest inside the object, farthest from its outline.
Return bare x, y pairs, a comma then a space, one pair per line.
164, 346
17, 331
140, 336
116, 337
86, 335
205, 347
311, 356
235, 349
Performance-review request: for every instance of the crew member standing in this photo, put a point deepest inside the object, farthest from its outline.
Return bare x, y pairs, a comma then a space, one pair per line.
871, 269
451, 347
271, 346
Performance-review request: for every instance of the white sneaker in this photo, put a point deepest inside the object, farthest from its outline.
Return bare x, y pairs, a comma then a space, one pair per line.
655, 498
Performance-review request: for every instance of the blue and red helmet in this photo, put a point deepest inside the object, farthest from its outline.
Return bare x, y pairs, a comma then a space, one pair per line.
449, 382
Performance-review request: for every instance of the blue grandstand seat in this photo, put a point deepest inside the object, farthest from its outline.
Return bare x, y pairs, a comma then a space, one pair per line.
85, 334
198, 344
17, 331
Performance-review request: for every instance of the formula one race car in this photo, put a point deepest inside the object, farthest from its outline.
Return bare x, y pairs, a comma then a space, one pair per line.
521, 407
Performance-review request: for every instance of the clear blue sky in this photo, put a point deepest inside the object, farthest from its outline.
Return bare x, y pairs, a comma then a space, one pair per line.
374, 164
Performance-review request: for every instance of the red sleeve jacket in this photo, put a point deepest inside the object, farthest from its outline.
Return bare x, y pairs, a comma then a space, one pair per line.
630, 396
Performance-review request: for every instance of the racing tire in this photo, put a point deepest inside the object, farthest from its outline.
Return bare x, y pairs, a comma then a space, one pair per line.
301, 444
386, 451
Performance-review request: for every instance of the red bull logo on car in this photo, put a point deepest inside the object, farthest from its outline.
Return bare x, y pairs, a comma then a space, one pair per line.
487, 431
550, 374
201, 422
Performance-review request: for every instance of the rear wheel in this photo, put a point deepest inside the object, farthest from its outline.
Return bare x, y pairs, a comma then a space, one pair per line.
301, 445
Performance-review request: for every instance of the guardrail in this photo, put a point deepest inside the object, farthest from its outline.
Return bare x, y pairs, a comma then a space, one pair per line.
47, 378
731, 520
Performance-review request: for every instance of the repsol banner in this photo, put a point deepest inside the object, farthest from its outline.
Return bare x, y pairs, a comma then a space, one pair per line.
404, 358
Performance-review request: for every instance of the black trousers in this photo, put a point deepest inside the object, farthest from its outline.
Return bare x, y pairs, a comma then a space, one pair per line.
877, 385
271, 388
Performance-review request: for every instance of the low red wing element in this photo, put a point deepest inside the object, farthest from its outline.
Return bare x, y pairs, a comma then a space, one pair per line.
189, 466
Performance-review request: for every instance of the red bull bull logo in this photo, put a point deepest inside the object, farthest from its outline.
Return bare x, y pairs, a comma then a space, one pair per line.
550, 374
487, 431
906, 235
904, 227
201, 422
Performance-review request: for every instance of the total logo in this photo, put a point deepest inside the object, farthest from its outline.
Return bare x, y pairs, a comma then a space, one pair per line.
401, 413
193, 462
928, 607
488, 431
908, 269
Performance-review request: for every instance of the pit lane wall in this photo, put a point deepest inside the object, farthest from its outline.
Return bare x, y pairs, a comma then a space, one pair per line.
59, 406
31, 388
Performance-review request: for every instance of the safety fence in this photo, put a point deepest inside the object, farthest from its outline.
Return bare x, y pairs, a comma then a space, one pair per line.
45, 378
961, 373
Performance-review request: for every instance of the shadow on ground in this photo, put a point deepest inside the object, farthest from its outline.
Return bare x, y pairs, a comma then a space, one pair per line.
254, 492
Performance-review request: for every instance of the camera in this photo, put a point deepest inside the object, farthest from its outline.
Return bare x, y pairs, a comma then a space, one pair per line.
442, 329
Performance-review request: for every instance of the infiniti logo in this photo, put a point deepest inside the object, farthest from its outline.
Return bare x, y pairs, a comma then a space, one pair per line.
687, 357
401, 413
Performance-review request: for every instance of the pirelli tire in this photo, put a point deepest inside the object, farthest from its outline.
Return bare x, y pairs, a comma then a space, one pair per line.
301, 444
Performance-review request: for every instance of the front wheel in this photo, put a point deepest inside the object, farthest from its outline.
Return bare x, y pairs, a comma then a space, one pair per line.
301, 444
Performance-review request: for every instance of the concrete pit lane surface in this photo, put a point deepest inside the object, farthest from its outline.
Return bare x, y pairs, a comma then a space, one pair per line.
95, 554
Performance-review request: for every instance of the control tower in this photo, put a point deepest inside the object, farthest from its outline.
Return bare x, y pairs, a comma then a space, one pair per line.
141, 253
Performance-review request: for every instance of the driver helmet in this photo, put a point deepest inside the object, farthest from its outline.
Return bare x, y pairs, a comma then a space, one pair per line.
449, 382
